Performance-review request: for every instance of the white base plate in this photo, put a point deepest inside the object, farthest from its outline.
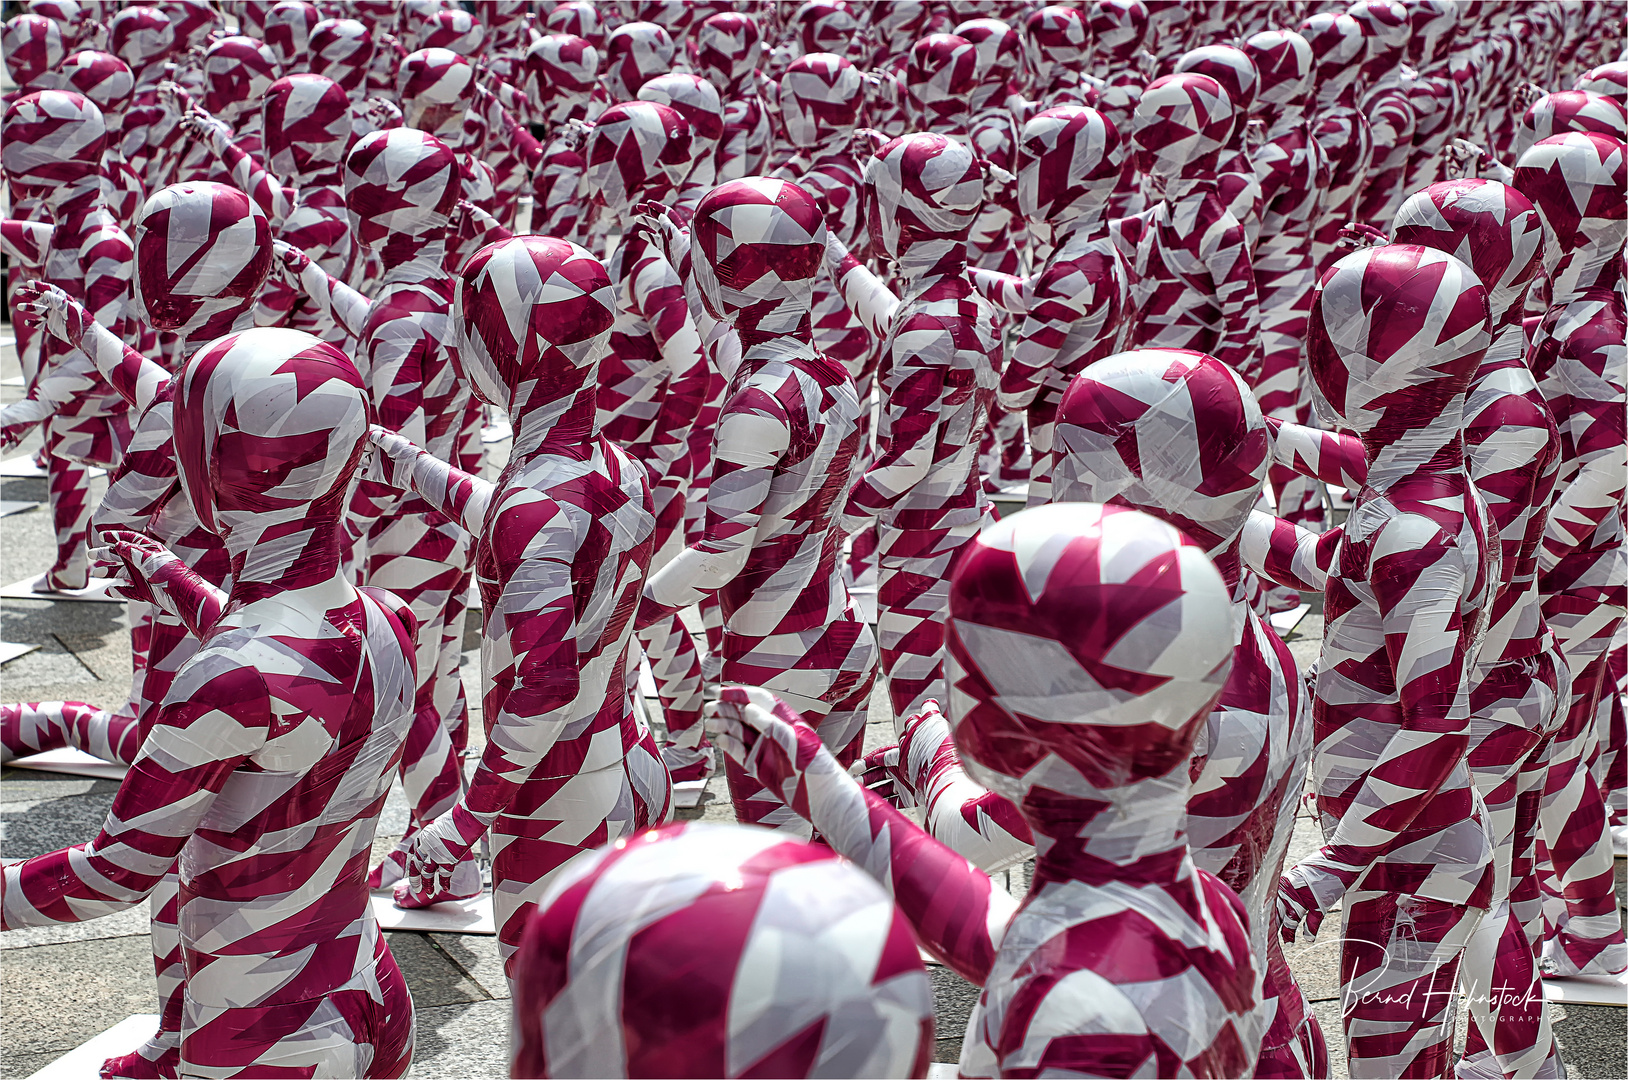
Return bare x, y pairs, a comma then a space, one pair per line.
72, 762
23, 468
84, 1062
9, 507
453, 917
687, 793
943, 1070
11, 650
96, 591
1285, 621
1587, 990
15, 380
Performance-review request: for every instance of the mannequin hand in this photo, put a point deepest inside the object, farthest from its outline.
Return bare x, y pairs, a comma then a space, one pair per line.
293, 260
393, 457
200, 125
381, 114
433, 853
173, 98
59, 314
1356, 234
770, 741
884, 776
1527, 94
140, 565
1463, 157
866, 142
1255, 133
1305, 894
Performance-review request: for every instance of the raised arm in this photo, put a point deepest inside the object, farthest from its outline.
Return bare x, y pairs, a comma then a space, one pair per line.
1009, 292
502, 125
1418, 576
25, 241
137, 379
753, 434
210, 722
658, 294
1286, 554
1071, 309
248, 175
151, 572
959, 914
911, 429
347, 307
1329, 456
871, 301
461, 496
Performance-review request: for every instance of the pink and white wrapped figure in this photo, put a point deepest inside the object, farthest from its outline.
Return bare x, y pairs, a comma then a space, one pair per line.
1194, 283
728, 52
1070, 311
257, 779
1088, 644
238, 71
1576, 181
993, 131
563, 543
142, 37
1119, 29
579, 18
1437, 104
1392, 117
1177, 435
1234, 172
634, 53
1055, 51
697, 101
922, 490
1396, 337
33, 53
809, 968
561, 70
1521, 682
940, 77
288, 28
108, 82
783, 452
400, 186
1291, 167
52, 152
1341, 129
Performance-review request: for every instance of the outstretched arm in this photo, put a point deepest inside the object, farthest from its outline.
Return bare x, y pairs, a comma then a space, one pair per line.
347, 307
1009, 292
1329, 456
872, 302
212, 720
1286, 554
247, 174
149, 571
137, 379
658, 294
911, 430
959, 914
25, 241
461, 496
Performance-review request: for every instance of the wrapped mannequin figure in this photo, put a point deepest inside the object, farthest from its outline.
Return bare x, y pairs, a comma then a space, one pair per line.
697, 101
1195, 284
53, 153
850, 997
564, 541
1396, 336
260, 781
238, 72
560, 76
1118, 30
923, 490
1075, 303
728, 51
143, 38
634, 54
994, 242
1576, 182
1089, 643
1392, 118
1520, 679
106, 80
784, 449
1055, 51
1235, 179
1341, 129
399, 187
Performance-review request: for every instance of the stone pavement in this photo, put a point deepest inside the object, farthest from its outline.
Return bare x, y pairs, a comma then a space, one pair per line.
62, 985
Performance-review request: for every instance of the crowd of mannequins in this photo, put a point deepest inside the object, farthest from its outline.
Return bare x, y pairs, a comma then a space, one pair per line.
774, 302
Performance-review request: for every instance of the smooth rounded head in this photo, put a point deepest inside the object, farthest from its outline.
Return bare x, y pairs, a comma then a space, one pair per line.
1118, 28
534, 318
237, 71
638, 150
940, 78
759, 245
693, 98
820, 98
53, 143
103, 78
33, 49
1085, 647
436, 87
825, 26
140, 36
288, 30
342, 50
455, 30
1396, 335
1055, 41
921, 188
1068, 163
1577, 182
1283, 60
1000, 58
71, 18
808, 968
1338, 48
635, 53
561, 73
1570, 110
579, 18
203, 250
1181, 124
269, 422
1489, 226
306, 126
1170, 432
728, 48
1230, 67
400, 182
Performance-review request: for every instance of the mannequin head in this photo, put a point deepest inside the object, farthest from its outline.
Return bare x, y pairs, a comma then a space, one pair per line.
1069, 160
820, 98
940, 78
638, 151
1085, 647
70, 17
436, 87
759, 244
697, 101
1385, 29
307, 128
728, 48
534, 317
341, 50
143, 38
52, 148
1236, 73
289, 26
1570, 110
203, 251
1338, 49
1000, 58
1170, 432
560, 74
922, 194
105, 80
237, 71
455, 30
830, 966
578, 18
1118, 29
1055, 41
635, 53
400, 188
825, 26
1181, 125
1283, 60
1489, 227
1576, 181
33, 50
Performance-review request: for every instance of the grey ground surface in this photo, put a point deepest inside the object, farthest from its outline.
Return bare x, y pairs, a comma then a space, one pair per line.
62, 985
